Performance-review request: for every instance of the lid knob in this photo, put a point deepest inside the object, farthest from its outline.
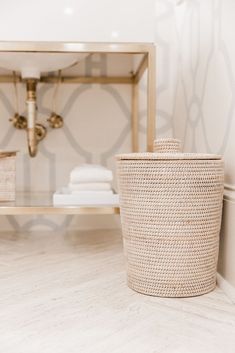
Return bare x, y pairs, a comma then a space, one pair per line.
167, 145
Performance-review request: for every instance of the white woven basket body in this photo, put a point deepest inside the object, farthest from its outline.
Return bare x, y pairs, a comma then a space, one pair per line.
171, 215
7, 177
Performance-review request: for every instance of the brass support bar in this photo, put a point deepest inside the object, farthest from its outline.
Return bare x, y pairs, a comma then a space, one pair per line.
141, 69
151, 99
87, 79
134, 117
10, 79
74, 79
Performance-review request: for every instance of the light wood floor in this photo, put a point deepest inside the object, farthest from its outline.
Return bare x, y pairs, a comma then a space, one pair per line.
66, 293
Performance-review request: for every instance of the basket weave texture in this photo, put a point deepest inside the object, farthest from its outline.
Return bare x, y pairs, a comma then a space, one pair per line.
7, 176
171, 215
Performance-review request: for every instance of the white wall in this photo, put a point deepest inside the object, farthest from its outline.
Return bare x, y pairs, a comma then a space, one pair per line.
77, 20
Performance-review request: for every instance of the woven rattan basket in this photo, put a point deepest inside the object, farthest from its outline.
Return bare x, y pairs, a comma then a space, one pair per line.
171, 205
7, 176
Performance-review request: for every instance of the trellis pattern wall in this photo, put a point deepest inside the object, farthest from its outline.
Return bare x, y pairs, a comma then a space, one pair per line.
196, 71
196, 91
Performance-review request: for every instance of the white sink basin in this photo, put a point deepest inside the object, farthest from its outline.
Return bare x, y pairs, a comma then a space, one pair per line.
31, 65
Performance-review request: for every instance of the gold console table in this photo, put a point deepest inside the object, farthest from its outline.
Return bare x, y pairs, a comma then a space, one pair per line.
144, 60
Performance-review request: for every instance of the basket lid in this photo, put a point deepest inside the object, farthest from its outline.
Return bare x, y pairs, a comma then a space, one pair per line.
4, 154
169, 149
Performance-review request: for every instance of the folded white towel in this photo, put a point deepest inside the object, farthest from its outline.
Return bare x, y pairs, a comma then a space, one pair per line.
89, 187
92, 193
89, 173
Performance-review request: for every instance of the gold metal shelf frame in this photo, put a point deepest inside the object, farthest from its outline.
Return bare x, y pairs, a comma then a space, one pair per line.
147, 64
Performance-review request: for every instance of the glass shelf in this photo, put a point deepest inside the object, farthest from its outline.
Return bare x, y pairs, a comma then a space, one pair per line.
41, 203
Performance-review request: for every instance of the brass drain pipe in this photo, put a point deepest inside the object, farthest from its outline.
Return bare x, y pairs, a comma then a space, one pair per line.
31, 85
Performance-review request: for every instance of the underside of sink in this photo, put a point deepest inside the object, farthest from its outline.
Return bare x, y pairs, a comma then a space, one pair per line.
31, 65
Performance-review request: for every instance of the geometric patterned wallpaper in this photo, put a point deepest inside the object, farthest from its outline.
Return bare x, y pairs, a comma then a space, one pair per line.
196, 92
195, 42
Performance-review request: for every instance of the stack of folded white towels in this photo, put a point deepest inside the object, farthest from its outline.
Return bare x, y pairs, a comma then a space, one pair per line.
91, 179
